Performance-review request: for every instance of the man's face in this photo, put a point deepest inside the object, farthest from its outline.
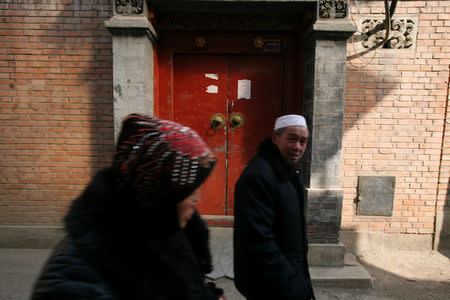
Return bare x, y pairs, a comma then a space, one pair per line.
292, 142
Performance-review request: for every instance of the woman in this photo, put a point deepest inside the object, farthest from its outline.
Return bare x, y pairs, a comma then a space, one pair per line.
134, 232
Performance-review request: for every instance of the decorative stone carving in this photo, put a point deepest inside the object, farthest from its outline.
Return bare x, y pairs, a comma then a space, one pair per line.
333, 9
129, 6
402, 33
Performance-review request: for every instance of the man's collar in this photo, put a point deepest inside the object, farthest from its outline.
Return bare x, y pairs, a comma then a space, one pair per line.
270, 153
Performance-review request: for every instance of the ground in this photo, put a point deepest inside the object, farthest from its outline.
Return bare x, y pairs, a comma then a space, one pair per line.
397, 275
408, 275
405, 275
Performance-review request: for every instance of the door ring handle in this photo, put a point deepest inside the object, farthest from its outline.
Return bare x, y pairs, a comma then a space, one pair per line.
236, 120
217, 121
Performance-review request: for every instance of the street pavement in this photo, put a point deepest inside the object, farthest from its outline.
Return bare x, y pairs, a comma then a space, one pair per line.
399, 275
18, 270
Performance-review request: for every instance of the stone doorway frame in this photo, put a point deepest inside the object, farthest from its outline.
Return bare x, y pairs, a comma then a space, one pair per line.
134, 39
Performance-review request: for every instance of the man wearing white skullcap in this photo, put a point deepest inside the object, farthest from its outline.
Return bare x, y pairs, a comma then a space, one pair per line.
270, 246
290, 120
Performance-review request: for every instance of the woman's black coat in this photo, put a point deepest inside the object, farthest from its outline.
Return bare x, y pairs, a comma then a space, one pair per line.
113, 251
270, 243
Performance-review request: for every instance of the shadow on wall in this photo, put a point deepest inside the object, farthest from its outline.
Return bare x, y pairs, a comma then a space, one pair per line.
59, 117
365, 91
356, 97
367, 94
85, 50
443, 225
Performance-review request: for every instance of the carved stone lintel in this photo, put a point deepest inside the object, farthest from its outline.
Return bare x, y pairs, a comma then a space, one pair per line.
402, 33
129, 6
227, 22
331, 9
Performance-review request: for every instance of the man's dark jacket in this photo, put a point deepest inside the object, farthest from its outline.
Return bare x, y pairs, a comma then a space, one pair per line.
270, 243
114, 251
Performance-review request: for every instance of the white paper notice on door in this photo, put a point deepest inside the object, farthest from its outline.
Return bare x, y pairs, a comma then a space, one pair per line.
212, 89
244, 89
212, 76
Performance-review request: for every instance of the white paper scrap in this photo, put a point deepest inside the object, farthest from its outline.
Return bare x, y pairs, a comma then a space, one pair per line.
212, 76
212, 89
244, 88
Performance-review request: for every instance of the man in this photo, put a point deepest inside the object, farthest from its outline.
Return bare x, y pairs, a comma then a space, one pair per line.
270, 243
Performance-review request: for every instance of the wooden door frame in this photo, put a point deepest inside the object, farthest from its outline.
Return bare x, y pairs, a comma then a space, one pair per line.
227, 43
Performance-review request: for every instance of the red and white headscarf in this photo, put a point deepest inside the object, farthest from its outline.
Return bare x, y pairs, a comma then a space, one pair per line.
159, 158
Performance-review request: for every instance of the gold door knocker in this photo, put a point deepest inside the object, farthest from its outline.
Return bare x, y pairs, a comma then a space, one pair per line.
236, 120
217, 121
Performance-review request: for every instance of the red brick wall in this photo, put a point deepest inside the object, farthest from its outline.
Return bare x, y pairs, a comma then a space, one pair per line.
56, 118
394, 121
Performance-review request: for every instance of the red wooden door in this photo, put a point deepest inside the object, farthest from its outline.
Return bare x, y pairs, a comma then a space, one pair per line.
246, 87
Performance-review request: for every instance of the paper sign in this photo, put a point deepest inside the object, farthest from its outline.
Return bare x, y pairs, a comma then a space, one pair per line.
212, 89
212, 76
244, 88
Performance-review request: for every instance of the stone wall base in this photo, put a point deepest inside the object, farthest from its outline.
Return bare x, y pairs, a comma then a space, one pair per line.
361, 242
30, 237
323, 215
46, 237
326, 255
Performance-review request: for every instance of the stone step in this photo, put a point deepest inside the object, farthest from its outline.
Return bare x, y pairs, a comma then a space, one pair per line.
351, 275
327, 269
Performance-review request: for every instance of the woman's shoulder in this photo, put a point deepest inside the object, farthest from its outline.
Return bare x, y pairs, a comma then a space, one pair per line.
66, 275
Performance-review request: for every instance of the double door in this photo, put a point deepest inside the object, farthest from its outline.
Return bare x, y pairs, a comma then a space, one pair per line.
232, 101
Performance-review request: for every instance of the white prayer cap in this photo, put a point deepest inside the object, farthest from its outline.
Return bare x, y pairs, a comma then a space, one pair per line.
290, 120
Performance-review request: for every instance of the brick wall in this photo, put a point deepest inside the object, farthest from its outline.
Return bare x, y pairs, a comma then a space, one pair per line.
394, 120
56, 119
56, 122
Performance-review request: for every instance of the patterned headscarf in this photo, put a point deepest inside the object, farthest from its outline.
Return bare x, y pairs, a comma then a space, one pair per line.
159, 159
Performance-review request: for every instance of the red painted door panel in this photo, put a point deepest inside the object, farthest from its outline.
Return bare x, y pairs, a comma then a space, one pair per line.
197, 96
207, 84
265, 76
